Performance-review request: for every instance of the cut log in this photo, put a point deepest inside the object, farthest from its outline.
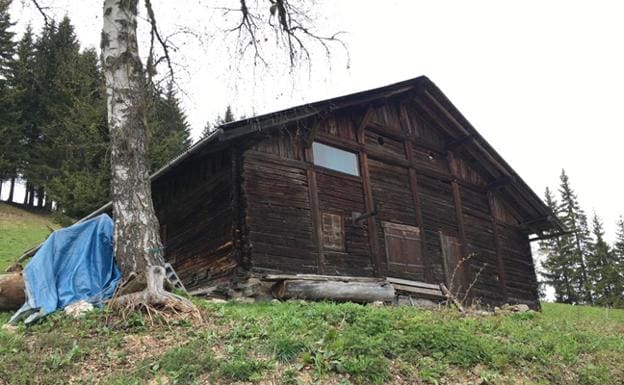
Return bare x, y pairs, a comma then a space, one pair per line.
12, 295
317, 277
336, 291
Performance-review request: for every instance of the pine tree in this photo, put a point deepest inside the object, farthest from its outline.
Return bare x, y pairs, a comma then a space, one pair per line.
227, 117
619, 237
618, 256
63, 119
8, 128
7, 45
575, 245
558, 267
602, 269
81, 183
168, 129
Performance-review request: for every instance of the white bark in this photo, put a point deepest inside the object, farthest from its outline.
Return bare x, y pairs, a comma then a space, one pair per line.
137, 241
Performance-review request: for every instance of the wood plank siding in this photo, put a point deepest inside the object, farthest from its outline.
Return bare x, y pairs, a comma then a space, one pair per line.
193, 204
423, 196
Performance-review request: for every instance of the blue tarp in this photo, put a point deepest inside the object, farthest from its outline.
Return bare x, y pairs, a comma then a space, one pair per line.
74, 263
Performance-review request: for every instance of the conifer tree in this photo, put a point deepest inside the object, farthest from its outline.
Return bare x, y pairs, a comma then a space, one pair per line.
618, 255
8, 128
63, 119
7, 44
575, 245
558, 266
168, 129
81, 183
228, 116
619, 237
602, 268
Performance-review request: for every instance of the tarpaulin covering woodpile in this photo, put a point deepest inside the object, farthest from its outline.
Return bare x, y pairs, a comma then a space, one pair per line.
73, 264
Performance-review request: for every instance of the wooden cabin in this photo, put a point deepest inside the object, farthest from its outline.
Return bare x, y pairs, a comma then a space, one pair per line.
389, 182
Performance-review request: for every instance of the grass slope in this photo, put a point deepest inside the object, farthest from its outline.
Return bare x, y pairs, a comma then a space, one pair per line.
307, 343
19, 231
321, 343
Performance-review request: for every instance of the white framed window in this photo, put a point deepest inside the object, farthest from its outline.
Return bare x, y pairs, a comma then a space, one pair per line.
335, 159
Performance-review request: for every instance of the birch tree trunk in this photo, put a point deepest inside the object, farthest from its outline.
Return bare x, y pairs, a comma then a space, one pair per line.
137, 242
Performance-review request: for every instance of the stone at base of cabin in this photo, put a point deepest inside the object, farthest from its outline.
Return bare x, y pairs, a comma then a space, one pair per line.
377, 303
264, 298
519, 308
482, 313
406, 300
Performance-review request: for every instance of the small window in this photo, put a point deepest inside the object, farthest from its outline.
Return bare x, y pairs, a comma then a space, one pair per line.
333, 231
335, 159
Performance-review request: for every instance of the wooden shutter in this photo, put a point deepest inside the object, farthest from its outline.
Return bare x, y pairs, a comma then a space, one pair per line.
403, 249
333, 231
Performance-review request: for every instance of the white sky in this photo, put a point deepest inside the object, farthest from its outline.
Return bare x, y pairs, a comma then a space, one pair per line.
542, 81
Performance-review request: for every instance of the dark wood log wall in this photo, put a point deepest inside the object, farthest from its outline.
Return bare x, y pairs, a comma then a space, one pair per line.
411, 175
278, 210
194, 207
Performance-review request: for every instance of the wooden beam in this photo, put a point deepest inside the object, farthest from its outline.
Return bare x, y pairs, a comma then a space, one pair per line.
453, 144
369, 202
479, 155
412, 283
500, 265
419, 291
315, 211
444, 111
318, 277
499, 182
413, 181
459, 214
359, 134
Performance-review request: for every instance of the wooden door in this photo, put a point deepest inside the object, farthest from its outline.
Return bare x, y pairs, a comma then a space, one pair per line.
403, 250
451, 251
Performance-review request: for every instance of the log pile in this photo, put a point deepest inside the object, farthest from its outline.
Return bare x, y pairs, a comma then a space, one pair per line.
12, 295
348, 288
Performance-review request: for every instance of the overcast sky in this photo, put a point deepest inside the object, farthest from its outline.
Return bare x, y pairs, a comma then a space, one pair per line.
542, 81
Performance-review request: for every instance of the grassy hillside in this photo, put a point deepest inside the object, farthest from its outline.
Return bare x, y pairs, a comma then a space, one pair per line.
307, 343
321, 343
19, 231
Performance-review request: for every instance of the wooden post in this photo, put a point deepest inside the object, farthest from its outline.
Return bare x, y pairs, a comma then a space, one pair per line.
315, 210
369, 202
413, 180
500, 266
460, 217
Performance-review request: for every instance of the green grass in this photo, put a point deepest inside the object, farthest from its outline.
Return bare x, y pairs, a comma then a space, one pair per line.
307, 343
321, 343
19, 231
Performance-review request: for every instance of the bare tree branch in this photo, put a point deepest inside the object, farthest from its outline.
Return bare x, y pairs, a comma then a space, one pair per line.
154, 33
292, 29
42, 11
